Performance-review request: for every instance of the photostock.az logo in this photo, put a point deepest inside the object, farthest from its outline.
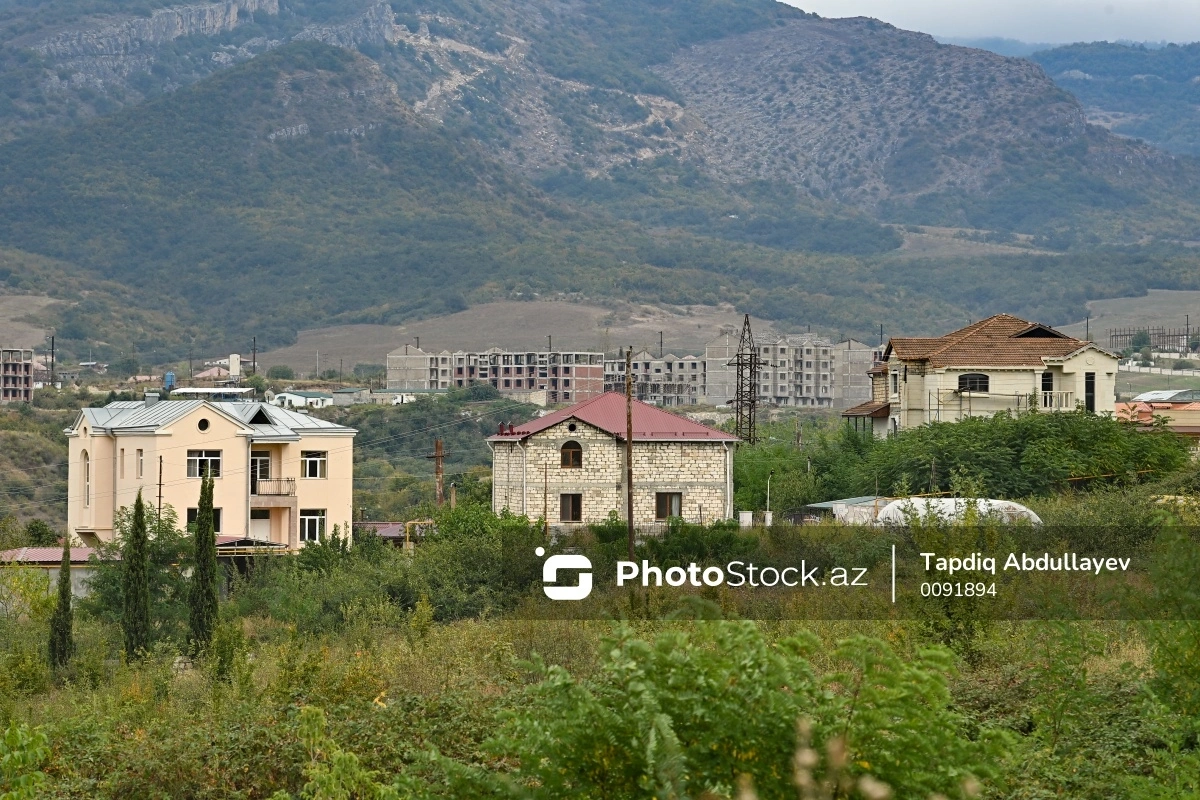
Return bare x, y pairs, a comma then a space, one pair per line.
550, 576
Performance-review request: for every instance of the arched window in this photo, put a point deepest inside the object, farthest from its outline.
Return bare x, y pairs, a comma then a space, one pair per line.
572, 455
87, 480
973, 382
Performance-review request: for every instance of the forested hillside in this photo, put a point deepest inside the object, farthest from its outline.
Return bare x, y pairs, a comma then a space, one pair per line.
405, 160
1152, 93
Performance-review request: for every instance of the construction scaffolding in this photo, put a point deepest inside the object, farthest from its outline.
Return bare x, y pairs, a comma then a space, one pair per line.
745, 399
1158, 339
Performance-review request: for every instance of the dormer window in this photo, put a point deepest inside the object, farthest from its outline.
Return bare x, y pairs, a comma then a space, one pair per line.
973, 382
572, 455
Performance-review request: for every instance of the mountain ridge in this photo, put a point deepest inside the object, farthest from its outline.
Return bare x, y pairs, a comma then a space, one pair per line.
523, 149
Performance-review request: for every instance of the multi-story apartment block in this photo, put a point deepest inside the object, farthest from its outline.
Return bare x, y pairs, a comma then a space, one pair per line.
280, 477
794, 370
566, 376
667, 381
16, 376
851, 381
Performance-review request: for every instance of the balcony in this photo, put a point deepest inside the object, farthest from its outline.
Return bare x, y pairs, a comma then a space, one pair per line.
1058, 401
284, 487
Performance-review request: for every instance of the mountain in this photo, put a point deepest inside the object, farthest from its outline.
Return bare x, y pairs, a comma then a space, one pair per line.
1150, 93
408, 160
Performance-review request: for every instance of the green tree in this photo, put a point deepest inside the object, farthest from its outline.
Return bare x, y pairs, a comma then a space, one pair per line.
202, 592
39, 533
281, 372
62, 642
135, 622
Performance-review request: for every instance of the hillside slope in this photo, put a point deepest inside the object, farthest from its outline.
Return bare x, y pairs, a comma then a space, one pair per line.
406, 160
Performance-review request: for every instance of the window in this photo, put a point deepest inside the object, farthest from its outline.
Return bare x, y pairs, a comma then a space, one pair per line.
572, 455
895, 383
87, 480
570, 508
973, 382
668, 504
1089, 391
313, 463
121, 464
191, 519
204, 462
141, 462
1047, 381
312, 524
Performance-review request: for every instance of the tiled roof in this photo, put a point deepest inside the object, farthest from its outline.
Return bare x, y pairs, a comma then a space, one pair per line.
869, 409
1001, 341
45, 555
607, 412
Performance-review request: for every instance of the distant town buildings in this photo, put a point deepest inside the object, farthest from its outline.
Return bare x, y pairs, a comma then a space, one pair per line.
563, 376
798, 370
16, 376
667, 381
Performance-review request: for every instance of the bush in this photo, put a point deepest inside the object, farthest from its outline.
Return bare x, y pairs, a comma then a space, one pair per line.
281, 372
639, 728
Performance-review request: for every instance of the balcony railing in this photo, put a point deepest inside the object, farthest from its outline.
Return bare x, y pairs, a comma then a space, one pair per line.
284, 487
1058, 400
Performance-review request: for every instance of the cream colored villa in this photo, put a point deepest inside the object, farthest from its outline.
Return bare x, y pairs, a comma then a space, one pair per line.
280, 477
1001, 363
570, 466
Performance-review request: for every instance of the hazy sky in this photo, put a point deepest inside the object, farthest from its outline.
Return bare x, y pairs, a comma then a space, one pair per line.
1029, 20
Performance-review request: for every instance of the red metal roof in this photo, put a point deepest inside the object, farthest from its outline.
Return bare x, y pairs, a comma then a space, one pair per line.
45, 555
607, 412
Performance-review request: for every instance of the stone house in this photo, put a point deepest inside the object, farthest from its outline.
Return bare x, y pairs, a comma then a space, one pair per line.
570, 466
1002, 363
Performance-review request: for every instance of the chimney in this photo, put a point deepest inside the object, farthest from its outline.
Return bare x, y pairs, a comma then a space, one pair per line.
501, 431
151, 398
510, 429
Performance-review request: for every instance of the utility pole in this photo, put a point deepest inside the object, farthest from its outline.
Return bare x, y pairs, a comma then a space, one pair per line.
629, 447
339, 369
439, 456
550, 343
660, 344
546, 501
52, 359
254, 355
159, 488
881, 335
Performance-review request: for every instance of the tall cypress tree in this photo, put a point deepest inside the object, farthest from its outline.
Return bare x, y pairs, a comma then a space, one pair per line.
62, 642
203, 590
135, 561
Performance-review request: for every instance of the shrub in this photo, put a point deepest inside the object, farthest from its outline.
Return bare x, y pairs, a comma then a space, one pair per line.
281, 372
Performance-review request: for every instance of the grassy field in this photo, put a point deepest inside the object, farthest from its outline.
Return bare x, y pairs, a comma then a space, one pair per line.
14, 330
1158, 308
1134, 383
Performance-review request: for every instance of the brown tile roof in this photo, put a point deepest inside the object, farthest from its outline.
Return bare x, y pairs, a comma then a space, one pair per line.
871, 409
1001, 340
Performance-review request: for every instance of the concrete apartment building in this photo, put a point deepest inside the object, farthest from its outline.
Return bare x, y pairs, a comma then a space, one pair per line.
16, 376
565, 376
1002, 363
280, 477
795, 370
667, 381
570, 466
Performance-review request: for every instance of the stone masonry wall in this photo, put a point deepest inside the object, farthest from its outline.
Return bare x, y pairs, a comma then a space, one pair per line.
531, 482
